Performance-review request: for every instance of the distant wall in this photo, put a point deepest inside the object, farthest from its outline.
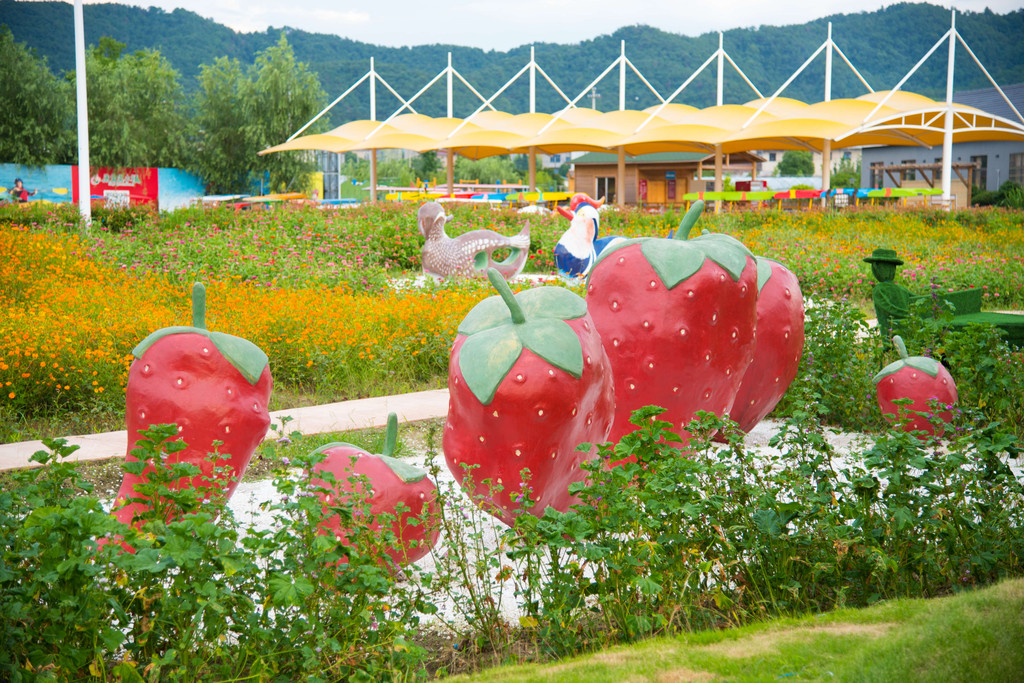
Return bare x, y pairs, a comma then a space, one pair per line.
55, 183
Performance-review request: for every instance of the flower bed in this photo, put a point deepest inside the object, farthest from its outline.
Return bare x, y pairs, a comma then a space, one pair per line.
315, 289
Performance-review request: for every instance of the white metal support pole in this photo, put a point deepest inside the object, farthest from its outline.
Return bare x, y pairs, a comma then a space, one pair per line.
533, 110
622, 76
828, 65
84, 191
533, 82
373, 117
826, 149
720, 100
721, 71
620, 183
947, 136
450, 84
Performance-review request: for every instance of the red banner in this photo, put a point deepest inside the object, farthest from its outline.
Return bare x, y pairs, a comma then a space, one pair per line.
120, 186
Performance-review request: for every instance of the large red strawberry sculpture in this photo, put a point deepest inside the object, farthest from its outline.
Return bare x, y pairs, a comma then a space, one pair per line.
389, 485
920, 379
528, 382
677, 318
780, 343
214, 386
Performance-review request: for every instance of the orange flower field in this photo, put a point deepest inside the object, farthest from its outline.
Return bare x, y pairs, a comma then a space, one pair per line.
68, 325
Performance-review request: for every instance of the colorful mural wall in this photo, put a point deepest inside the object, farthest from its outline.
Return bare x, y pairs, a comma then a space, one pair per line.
167, 188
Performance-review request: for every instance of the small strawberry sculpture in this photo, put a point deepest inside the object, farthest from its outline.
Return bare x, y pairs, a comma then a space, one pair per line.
528, 382
389, 484
780, 343
920, 379
677, 318
214, 386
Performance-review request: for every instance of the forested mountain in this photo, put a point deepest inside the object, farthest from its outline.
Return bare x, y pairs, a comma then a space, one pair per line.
883, 45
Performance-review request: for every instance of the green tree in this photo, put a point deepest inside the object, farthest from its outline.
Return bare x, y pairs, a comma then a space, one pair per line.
136, 108
426, 165
222, 156
846, 174
283, 95
37, 115
490, 170
795, 163
239, 114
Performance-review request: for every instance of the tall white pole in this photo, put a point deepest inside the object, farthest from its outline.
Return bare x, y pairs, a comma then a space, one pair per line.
84, 191
828, 65
721, 71
720, 100
533, 82
947, 137
450, 85
373, 117
622, 76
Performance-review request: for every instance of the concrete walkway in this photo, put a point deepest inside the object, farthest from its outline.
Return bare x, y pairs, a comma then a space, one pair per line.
334, 417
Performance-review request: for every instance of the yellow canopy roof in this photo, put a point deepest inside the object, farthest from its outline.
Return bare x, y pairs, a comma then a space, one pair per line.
902, 119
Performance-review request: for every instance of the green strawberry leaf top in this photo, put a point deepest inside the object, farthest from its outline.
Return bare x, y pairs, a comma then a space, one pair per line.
764, 271
246, 357
675, 260
403, 470
929, 366
500, 327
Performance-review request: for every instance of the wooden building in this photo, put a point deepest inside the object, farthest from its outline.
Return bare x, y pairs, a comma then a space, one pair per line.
658, 179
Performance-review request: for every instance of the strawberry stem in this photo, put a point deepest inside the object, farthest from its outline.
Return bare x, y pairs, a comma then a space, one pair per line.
900, 346
498, 282
199, 306
390, 435
689, 220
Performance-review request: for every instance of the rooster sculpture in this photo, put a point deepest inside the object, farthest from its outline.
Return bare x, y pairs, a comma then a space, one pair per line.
471, 253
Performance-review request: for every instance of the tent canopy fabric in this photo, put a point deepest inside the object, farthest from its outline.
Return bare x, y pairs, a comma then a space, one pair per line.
878, 118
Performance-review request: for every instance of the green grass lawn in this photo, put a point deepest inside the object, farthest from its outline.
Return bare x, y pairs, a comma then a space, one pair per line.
973, 636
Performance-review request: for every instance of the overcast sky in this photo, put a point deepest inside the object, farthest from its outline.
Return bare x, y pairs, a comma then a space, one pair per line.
503, 24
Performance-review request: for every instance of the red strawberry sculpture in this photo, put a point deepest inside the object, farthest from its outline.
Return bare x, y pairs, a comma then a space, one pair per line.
677, 319
214, 386
528, 382
389, 483
920, 379
780, 343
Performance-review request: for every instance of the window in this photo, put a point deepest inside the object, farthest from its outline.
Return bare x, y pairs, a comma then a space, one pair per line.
606, 188
938, 172
771, 156
876, 174
911, 174
1017, 168
980, 170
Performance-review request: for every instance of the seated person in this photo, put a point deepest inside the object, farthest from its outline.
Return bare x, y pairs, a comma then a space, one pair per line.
891, 300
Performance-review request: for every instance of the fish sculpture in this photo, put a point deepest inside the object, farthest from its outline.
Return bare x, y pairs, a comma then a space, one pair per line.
471, 253
579, 245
